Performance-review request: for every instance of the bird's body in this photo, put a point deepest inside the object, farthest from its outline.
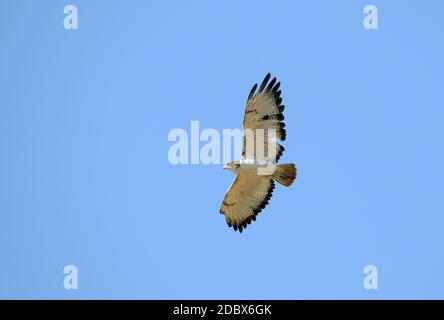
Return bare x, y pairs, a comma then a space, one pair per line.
258, 169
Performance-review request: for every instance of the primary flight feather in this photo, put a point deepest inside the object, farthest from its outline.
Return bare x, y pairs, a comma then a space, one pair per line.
252, 188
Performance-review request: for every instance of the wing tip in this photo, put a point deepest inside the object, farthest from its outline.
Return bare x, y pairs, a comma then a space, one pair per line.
252, 91
241, 226
264, 82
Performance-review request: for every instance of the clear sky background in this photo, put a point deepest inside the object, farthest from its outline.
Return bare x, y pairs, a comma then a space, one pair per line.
84, 171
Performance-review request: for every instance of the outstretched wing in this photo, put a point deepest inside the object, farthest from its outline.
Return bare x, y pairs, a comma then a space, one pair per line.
246, 197
264, 110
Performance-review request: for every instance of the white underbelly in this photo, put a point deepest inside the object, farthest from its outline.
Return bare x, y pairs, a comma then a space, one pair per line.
264, 167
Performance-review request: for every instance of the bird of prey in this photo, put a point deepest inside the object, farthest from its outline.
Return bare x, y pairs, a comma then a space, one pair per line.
252, 188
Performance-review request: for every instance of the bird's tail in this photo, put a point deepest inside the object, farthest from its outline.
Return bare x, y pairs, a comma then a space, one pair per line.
285, 174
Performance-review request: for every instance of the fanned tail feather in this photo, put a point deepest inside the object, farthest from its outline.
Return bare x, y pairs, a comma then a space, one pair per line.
285, 174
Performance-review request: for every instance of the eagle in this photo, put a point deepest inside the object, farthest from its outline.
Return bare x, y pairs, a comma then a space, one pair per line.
253, 187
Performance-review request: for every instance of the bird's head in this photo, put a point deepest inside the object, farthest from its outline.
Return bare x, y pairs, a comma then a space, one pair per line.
232, 166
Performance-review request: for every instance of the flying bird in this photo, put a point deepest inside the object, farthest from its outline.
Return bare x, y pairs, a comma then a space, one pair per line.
252, 188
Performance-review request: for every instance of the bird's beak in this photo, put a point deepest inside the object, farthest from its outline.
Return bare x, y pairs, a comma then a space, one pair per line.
225, 166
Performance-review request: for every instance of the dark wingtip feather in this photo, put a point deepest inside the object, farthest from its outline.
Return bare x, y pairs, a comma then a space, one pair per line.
279, 153
252, 92
276, 87
264, 83
270, 85
283, 134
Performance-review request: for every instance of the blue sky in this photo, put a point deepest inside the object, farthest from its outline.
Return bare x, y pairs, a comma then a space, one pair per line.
84, 171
